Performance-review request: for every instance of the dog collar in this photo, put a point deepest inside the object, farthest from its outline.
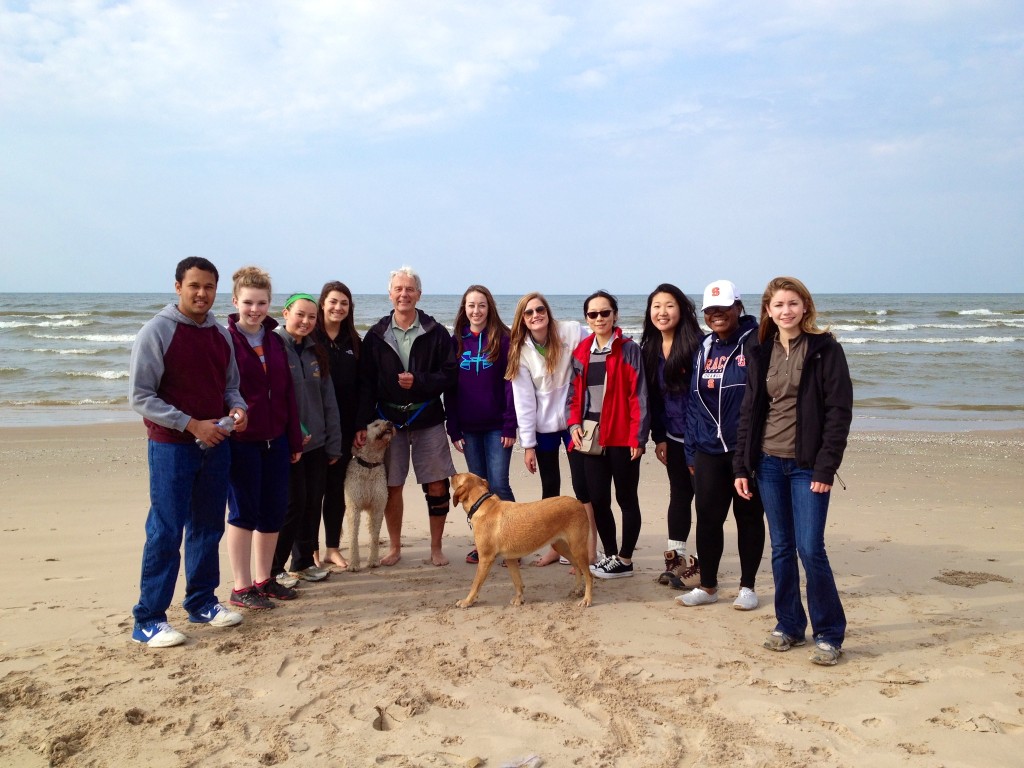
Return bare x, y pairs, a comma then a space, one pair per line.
475, 507
367, 464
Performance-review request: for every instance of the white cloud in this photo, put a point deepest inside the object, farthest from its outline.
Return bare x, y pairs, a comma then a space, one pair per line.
302, 66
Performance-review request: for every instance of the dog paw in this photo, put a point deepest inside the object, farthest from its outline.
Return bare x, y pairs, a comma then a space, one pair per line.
353, 567
463, 603
517, 600
584, 603
374, 563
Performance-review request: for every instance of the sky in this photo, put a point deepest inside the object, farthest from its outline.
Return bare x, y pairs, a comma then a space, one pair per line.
860, 145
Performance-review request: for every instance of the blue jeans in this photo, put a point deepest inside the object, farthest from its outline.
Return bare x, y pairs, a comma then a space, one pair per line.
796, 522
487, 458
188, 491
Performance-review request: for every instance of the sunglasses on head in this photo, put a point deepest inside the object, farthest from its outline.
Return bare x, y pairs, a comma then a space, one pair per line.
599, 313
541, 310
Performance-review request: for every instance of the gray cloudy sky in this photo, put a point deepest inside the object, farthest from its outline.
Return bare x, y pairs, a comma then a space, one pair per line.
873, 145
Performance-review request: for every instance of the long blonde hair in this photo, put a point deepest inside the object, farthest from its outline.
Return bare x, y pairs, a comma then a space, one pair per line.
520, 333
808, 324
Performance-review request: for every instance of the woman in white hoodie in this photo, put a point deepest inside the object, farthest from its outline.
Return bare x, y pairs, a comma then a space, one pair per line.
540, 369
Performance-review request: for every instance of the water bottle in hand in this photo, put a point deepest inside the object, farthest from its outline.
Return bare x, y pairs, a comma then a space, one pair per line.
226, 423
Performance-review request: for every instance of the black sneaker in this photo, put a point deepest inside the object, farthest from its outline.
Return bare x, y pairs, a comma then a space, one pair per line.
273, 588
613, 568
250, 598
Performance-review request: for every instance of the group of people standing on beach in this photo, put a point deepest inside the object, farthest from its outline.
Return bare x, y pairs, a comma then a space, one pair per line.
753, 416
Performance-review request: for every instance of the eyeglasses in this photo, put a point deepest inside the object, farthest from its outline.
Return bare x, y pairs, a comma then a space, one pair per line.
602, 313
541, 310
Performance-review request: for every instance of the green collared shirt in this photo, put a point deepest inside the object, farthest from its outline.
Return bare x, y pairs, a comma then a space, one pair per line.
405, 338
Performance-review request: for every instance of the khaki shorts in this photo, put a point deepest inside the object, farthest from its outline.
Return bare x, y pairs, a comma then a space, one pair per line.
431, 456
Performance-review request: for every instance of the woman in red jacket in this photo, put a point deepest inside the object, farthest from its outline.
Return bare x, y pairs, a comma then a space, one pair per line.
609, 388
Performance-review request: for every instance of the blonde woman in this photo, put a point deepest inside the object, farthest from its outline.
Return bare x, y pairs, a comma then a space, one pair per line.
260, 456
540, 369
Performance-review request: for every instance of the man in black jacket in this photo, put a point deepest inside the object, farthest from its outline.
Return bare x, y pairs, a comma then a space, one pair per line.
408, 362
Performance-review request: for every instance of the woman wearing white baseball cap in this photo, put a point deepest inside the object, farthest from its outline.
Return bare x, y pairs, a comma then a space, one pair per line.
712, 418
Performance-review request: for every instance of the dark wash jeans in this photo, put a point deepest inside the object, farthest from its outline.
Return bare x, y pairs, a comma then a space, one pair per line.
796, 522
188, 491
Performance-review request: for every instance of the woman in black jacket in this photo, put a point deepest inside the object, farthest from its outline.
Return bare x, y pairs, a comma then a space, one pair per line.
336, 332
794, 424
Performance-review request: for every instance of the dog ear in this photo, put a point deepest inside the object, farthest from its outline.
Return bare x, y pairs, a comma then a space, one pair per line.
456, 490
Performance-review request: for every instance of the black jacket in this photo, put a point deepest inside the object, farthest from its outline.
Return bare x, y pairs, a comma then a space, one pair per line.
432, 362
345, 377
824, 410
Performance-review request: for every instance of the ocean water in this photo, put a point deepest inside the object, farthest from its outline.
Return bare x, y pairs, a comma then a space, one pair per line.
951, 362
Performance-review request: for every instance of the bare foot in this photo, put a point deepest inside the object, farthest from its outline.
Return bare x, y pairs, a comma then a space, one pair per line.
391, 557
437, 557
334, 558
547, 558
316, 558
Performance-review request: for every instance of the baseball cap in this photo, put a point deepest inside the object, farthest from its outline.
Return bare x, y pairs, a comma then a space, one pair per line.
721, 293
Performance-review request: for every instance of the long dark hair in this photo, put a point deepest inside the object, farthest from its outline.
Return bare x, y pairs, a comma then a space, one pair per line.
348, 325
685, 341
496, 329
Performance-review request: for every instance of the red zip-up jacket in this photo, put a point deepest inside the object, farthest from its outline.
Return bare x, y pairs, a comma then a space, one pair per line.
625, 420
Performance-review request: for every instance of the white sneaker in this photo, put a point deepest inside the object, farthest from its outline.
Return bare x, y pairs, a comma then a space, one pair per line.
746, 600
216, 616
285, 579
697, 596
601, 561
158, 634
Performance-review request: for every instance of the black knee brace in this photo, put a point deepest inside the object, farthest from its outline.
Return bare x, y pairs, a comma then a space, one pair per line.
437, 506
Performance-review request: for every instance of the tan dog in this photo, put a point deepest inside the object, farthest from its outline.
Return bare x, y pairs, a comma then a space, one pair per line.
366, 488
510, 530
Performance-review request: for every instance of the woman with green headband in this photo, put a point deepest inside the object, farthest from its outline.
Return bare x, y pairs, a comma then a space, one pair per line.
318, 413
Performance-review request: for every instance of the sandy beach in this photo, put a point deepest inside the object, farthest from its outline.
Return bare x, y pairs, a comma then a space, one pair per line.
380, 668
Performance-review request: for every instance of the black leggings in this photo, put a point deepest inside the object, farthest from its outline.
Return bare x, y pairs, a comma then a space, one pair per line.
680, 491
714, 491
334, 501
302, 522
615, 465
551, 475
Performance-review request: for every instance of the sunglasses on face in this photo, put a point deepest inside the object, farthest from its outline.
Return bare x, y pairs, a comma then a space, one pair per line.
599, 313
541, 310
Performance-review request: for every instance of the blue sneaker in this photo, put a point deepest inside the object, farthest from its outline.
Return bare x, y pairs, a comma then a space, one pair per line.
216, 615
157, 634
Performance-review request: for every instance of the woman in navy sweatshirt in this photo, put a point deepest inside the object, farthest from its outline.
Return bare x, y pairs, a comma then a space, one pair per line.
712, 417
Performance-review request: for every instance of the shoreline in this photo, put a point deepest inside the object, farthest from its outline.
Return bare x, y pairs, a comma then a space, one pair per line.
379, 667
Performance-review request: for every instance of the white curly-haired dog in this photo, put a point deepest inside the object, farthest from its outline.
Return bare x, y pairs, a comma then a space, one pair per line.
366, 488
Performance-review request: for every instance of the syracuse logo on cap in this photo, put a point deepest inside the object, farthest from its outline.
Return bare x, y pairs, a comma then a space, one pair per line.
716, 291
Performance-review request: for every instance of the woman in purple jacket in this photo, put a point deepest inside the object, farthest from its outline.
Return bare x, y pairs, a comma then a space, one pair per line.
260, 456
480, 411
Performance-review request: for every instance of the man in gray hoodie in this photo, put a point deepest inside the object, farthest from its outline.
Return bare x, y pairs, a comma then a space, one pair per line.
182, 381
